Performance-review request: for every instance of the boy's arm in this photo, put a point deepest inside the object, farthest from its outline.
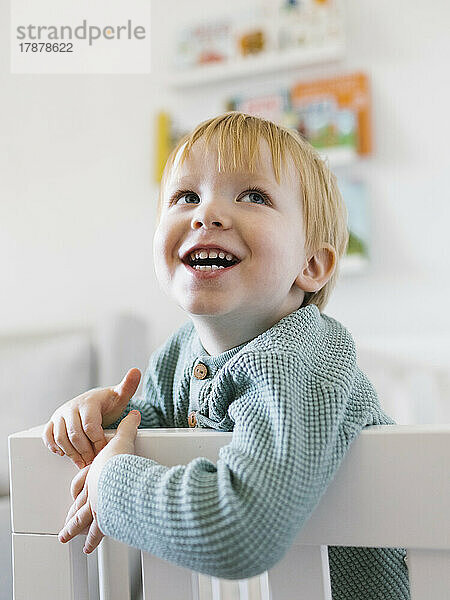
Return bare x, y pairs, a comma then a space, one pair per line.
236, 519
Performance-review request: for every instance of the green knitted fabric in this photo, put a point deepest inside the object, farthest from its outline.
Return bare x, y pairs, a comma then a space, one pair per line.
295, 400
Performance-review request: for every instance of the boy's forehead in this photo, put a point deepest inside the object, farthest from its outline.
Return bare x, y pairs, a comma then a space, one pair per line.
202, 156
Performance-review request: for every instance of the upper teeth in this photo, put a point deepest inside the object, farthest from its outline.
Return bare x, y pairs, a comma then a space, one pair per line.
210, 254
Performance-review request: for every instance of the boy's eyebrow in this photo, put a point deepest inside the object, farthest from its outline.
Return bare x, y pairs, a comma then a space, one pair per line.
176, 181
244, 177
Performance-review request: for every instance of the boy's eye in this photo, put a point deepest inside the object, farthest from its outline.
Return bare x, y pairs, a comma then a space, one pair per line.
254, 197
187, 198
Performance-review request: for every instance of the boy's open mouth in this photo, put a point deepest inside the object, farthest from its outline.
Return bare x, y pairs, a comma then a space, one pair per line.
210, 259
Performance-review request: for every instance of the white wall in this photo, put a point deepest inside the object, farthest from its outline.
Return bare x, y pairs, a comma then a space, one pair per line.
77, 202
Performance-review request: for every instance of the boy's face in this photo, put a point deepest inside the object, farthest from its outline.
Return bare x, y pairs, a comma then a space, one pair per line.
247, 215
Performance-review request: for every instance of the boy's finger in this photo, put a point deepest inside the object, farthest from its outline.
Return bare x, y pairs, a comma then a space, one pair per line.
78, 482
80, 500
91, 420
62, 439
78, 438
49, 440
72, 511
128, 386
129, 425
94, 537
80, 520
99, 445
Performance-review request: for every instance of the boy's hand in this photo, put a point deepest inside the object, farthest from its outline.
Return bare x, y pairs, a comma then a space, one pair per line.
81, 517
76, 427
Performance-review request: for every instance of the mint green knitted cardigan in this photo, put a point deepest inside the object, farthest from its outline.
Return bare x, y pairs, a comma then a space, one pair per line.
295, 400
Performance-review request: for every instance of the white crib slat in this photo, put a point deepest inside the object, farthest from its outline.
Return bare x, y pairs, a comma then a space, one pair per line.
264, 590
45, 569
254, 588
113, 570
302, 573
164, 581
225, 589
204, 587
92, 567
215, 588
429, 574
244, 590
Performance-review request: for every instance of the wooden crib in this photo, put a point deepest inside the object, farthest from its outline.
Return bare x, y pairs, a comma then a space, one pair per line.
392, 490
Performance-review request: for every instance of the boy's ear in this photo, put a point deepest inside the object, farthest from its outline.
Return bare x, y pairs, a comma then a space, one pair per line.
317, 269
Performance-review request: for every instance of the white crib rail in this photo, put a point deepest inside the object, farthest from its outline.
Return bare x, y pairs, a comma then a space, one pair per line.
392, 490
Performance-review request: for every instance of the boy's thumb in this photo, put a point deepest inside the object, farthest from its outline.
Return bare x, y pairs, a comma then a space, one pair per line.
128, 386
129, 425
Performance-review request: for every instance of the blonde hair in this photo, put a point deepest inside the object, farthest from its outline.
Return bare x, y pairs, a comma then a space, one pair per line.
237, 136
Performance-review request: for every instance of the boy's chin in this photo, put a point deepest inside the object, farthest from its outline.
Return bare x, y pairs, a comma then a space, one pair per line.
205, 312
205, 309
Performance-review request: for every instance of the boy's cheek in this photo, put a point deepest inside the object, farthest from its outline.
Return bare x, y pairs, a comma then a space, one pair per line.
160, 249
157, 241
161, 274
165, 237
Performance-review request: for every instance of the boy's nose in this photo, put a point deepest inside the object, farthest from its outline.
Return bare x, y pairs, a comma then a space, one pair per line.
210, 218
207, 224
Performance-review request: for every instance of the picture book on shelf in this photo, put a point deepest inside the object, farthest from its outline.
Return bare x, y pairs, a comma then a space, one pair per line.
273, 107
204, 43
332, 114
263, 27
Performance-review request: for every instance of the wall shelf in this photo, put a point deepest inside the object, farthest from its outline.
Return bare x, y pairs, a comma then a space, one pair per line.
267, 62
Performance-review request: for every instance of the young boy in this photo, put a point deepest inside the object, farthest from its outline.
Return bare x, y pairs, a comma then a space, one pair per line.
251, 229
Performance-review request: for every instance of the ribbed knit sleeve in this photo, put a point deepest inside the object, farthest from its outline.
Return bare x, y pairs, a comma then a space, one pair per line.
237, 518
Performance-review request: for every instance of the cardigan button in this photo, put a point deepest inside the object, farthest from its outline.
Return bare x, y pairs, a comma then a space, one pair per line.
200, 371
192, 419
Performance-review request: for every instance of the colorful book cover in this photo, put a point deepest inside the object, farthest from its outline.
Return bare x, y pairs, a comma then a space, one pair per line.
205, 43
268, 106
307, 23
334, 112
